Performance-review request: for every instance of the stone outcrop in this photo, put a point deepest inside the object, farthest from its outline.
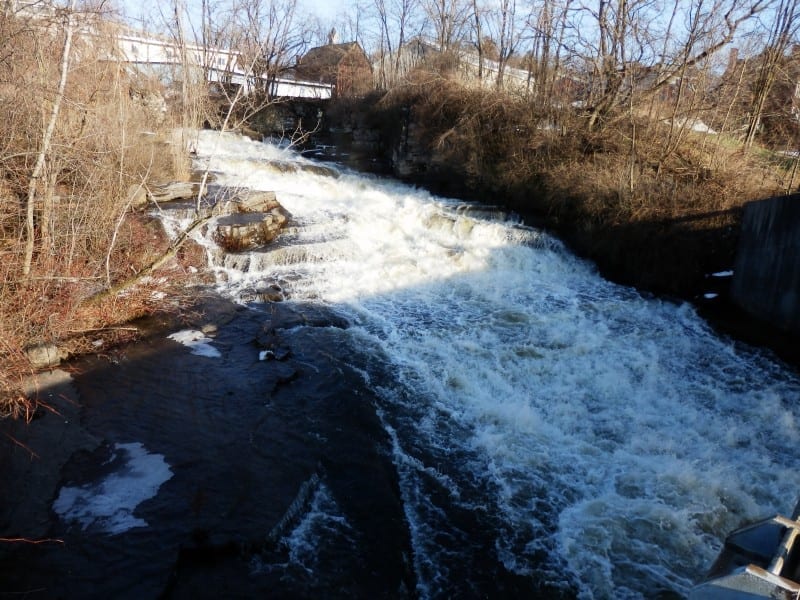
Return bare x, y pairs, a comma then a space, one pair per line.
245, 219
246, 230
140, 196
44, 356
255, 202
289, 167
258, 219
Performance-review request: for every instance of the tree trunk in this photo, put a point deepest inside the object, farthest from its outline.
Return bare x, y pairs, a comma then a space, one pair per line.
478, 39
46, 139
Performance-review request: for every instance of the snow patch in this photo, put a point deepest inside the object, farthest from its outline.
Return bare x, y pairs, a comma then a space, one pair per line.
109, 504
197, 342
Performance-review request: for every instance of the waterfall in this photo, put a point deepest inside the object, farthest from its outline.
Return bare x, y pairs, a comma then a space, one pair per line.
567, 428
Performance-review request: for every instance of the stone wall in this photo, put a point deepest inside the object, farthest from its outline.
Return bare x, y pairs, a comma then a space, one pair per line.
285, 119
766, 280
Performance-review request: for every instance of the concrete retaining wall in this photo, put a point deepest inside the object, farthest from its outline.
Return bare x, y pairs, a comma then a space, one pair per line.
766, 281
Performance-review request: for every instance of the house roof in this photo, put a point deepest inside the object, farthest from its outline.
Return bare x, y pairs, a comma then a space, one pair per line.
330, 55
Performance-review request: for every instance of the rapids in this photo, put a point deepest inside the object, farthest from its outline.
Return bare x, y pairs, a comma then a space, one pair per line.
588, 439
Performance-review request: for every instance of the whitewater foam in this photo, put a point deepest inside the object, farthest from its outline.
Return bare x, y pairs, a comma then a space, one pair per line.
616, 435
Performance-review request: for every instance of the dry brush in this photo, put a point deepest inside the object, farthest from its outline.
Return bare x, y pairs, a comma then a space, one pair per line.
77, 135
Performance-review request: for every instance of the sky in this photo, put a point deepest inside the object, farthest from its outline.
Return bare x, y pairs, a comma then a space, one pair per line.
326, 10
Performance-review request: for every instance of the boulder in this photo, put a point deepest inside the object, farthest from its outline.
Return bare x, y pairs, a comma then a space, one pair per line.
320, 170
256, 202
44, 356
244, 230
270, 293
291, 167
140, 194
177, 190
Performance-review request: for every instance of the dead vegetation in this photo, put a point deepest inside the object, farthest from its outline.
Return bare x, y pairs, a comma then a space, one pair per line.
67, 231
653, 205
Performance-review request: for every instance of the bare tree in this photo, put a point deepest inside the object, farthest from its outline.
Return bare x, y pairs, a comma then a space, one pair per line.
543, 28
47, 136
625, 42
272, 36
395, 19
781, 33
507, 35
448, 19
477, 21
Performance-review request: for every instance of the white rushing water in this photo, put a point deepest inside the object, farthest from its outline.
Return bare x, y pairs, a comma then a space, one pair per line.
616, 436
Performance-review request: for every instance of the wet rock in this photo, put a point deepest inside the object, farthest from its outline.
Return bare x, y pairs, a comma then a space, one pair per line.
32, 456
320, 170
246, 230
264, 430
274, 348
287, 167
282, 166
44, 356
251, 133
266, 338
279, 353
317, 317
178, 190
284, 373
256, 202
249, 219
284, 317
270, 293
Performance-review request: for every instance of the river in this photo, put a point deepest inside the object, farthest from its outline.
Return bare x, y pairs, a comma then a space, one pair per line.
595, 439
546, 433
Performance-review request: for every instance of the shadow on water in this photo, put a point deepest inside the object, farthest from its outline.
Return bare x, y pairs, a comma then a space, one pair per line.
260, 453
280, 483
678, 256
283, 475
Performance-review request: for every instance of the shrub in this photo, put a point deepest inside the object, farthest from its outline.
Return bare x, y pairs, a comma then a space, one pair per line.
106, 139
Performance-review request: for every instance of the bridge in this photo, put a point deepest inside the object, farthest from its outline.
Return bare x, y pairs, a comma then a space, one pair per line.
219, 65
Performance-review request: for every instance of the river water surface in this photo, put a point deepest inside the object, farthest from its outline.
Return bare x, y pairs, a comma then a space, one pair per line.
541, 418
449, 405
